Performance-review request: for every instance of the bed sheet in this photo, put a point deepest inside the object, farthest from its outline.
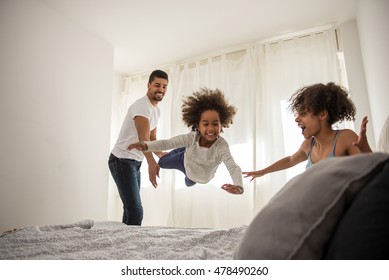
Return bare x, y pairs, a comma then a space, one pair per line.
110, 240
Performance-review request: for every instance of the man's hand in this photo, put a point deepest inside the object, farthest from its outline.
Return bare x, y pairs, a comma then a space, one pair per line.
153, 173
160, 154
141, 146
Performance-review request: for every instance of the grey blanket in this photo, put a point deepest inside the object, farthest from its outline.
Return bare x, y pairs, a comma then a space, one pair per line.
89, 240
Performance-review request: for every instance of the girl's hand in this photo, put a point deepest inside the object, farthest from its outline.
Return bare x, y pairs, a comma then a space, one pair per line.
141, 146
232, 189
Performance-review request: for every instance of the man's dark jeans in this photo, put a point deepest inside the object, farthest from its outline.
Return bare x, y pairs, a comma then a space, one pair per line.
126, 173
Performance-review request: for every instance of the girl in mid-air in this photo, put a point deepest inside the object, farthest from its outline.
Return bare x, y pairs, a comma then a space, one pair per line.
199, 153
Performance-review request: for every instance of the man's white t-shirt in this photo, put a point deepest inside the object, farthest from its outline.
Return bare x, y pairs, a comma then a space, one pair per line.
128, 133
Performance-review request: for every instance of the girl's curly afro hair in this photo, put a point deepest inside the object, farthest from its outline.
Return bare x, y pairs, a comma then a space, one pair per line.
203, 100
319, 97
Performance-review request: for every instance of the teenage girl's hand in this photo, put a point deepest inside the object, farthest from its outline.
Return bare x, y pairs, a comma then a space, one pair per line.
141, 146
362, 144
253, 174
232, 189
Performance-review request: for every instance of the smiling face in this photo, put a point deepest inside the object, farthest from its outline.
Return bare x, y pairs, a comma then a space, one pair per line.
209, 127
156, 90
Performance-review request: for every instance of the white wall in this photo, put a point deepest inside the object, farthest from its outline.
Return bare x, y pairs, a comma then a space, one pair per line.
356, 76
373, 29
115, 209
56, 85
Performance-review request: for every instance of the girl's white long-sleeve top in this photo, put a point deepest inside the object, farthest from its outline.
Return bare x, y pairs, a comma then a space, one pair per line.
201, 163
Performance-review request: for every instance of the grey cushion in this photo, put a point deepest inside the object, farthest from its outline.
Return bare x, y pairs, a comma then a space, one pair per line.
299, 220
363, 231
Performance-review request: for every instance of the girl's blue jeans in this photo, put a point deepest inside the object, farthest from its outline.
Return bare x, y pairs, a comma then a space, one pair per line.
175, 160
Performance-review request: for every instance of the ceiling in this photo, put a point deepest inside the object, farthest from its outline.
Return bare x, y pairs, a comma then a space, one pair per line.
150, 33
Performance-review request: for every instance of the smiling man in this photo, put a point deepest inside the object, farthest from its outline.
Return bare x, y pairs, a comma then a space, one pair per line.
140, 124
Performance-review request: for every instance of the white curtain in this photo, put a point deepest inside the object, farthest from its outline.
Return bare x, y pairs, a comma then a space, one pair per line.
287, 65
258, 79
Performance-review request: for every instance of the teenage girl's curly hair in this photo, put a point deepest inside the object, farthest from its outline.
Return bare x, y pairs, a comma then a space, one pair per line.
203, 100
319, 97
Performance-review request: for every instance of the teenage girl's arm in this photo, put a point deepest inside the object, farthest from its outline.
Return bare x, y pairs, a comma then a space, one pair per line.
142, 125
347, 144
284, 163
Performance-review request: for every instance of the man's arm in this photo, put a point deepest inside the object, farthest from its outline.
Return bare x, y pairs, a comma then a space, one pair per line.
153, 137
142, 126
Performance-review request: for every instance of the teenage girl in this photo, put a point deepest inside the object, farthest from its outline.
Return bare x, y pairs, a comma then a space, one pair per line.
317, 108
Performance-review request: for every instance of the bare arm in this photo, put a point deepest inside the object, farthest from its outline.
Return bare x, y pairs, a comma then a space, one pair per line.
284, 163
153, 137
142, 125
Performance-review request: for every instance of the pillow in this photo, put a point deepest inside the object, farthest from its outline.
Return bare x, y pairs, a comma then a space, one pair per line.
363, 232
298, 221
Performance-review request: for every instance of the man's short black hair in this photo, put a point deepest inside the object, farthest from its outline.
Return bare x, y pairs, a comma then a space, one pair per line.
158, 74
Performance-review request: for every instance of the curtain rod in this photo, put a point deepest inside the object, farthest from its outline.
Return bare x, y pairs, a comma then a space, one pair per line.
237, 48
297, 34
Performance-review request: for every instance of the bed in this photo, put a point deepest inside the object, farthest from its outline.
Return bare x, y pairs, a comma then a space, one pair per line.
337, 209
110, 240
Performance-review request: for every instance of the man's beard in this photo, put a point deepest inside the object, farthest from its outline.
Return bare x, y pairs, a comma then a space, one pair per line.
158, 96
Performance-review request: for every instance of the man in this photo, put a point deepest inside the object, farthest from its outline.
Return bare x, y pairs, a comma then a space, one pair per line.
140, 124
